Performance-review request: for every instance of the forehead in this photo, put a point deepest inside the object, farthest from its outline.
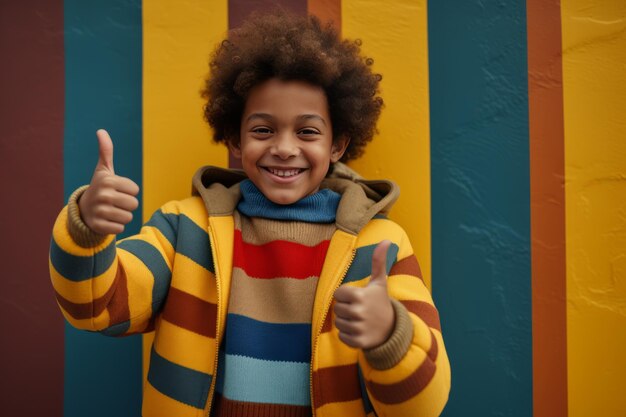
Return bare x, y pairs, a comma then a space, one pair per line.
287, 99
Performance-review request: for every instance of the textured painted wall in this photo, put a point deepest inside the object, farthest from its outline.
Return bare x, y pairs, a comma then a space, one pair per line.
594, 75
31, 180
103, 49
481, 129
480, 202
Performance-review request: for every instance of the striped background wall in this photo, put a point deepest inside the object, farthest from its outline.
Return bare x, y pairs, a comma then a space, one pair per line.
503, 125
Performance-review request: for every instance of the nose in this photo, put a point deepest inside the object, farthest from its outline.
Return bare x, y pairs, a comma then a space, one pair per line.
285, 146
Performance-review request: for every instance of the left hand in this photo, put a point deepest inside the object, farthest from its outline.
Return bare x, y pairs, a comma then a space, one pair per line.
364, 316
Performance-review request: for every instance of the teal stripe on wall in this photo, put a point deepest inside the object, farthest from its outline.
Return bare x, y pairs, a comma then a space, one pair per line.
480, 202
103, 49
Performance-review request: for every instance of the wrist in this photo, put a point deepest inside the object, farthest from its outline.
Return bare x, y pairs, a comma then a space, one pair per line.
76, 226
391, 351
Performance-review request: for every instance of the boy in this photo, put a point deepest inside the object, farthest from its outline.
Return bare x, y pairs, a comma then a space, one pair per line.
268, 290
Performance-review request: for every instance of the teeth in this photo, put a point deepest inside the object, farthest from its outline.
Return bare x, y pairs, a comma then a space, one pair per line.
284, 172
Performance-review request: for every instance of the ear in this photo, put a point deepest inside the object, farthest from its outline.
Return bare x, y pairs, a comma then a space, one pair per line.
234, 148
339, 148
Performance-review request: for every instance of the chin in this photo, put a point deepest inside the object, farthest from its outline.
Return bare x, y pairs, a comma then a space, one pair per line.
282, 198
283, 201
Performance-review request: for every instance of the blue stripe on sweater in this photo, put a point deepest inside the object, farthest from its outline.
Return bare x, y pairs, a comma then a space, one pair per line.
81, 268
270, 341
256, 380
362, 264
178, 382
154, 261
167, 225
195, 244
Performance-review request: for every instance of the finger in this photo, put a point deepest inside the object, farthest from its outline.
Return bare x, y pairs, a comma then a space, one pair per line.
115, 215
105, 227
347, 326
348, 294
126, 202
348, 311
126, 185
105, 150
352, 341
379, 264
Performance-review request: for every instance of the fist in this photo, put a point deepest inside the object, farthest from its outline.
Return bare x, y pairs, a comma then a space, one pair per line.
107, 205
364, 316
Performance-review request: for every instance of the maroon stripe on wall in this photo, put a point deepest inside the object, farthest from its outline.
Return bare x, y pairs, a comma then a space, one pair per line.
238, 10
31, 180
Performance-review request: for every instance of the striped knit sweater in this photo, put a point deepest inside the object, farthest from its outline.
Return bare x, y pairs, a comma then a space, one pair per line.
176, 277
278, 256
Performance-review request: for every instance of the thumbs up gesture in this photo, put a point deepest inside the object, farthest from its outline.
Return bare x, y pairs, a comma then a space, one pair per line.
107, 204
364, 316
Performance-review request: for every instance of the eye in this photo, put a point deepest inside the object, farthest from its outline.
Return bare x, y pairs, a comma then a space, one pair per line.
262, 131
308, 132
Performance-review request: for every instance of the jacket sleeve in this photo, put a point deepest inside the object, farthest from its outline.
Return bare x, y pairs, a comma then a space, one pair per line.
114, 287
409, 375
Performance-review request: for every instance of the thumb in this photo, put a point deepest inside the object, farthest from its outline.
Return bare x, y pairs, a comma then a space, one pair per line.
105, 150
379, 264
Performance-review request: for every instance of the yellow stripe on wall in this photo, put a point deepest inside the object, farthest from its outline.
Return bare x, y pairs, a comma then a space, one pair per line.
594, 85
178, 38
397, 38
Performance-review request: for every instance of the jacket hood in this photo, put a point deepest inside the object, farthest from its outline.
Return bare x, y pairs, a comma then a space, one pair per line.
361, 199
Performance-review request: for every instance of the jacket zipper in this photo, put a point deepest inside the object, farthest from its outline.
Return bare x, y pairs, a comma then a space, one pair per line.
209, 402
319, 332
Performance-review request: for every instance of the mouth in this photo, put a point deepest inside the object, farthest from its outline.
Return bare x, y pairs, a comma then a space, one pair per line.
284, 172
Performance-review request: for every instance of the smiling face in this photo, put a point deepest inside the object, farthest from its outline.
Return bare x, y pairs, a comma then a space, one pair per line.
286, 139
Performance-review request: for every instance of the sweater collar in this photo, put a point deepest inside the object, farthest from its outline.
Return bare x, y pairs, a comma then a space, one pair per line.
320, 207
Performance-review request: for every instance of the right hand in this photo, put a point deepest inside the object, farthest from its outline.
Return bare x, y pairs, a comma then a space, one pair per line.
107, 204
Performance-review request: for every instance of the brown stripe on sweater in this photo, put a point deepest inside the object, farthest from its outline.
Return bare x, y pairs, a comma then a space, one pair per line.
336, 384
407, 266
81, 311
279, 300
224, 407
412, 385
425, 311
119, 310
259, 231
190, 312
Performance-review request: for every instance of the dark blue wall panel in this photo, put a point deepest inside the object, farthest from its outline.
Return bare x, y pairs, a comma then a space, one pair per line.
481, 202
103, 67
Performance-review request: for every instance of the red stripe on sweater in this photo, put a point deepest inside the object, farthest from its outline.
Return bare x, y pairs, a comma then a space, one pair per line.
412, 385
279, 258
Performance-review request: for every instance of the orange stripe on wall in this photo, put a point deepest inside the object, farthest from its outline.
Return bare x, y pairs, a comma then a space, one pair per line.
327, 11
547, 199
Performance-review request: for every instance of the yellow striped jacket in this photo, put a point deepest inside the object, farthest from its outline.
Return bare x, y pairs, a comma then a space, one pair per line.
174, 278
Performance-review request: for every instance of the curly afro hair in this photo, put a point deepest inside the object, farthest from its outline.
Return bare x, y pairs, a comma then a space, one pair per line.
289, 47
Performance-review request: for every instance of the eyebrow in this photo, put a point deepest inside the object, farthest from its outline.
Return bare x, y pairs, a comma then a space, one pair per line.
312, 116
265, 116
269, 117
